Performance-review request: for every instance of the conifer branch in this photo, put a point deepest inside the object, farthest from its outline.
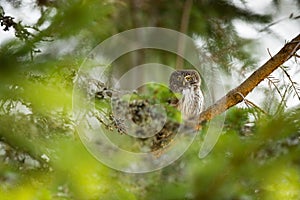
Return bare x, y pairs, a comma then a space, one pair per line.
236, 95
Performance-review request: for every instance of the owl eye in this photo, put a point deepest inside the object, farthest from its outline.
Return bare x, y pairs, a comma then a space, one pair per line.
188, 78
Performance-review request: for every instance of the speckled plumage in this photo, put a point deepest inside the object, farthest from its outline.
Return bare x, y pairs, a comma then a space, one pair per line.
187, 83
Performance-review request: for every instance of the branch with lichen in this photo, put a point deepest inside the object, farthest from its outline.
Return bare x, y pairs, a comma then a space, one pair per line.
237, 94
139, 109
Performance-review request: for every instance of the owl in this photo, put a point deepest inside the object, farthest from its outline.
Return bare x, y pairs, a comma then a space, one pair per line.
187, 83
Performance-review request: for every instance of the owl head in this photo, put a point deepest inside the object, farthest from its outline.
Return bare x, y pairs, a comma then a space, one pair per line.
184, 79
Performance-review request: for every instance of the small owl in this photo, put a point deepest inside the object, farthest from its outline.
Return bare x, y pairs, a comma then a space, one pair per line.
187, 83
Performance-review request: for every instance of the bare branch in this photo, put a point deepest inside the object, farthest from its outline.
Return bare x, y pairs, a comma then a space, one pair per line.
234, 96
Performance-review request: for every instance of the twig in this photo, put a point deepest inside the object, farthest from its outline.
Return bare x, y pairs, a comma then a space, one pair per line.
255, 106
250, 103
269, 53
283, 101
292, 82
276, 88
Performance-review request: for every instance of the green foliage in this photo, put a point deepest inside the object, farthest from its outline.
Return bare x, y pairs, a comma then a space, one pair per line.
256, 166
236, 119
162, 95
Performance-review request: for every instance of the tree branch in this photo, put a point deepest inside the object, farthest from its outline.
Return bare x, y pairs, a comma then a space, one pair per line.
237, 94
